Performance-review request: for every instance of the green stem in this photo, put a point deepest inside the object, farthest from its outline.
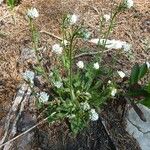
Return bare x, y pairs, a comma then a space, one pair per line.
109, 30
70, 62
35, 46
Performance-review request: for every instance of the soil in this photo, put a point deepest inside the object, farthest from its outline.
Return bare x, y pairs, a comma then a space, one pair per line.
132, 26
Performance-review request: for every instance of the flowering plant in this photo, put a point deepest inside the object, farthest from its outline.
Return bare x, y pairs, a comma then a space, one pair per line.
75, 90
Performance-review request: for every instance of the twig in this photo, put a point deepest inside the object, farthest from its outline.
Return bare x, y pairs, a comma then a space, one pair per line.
51, 34
108, 134
41, 122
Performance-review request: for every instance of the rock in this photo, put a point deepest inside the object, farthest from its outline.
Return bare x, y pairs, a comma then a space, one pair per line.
27, 55
137, 128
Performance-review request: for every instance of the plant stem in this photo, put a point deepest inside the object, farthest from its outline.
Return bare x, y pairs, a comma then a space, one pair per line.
108, 31
35, 46
70, 67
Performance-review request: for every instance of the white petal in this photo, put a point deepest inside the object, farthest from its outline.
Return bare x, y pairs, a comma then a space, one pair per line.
58, 84
96, 65
32, 13
28, 76
93, 115
80, 64
121, 74
128, 3
43, 97
57, 49
73, 19
107, 17
148, 64
113, 92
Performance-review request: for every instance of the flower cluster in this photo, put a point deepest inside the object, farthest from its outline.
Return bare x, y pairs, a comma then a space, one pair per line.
57, 49
29, 76
43, 97
93, 115
80, 64
121, 74
128, 3
73, 19
32, 13
107, 17
113, 91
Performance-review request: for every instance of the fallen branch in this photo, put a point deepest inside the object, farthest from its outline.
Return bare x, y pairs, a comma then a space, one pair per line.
14, 108
18, 136
51, 34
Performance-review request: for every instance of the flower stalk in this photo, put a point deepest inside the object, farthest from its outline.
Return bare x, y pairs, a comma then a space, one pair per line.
35, 47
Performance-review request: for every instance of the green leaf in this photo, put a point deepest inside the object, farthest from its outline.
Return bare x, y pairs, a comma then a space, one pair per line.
11, 3
146, 102
143, 71
39, 70
138, 92
135, 74
147, 88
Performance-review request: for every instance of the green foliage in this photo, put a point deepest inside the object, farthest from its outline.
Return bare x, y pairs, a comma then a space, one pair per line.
134, 74
77, 91
136, 90
137, 73
11, 3
146, 100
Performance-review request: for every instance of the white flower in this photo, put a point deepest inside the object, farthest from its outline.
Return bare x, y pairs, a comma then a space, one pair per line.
43, 97
148, 64
28, 76
85, 106
65, 42
73, 19
58, 84
96, 65
128, 3
121, 74
32, 13
57, 49
93, 115
106, 17
80, 64
109, 82
113, 91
